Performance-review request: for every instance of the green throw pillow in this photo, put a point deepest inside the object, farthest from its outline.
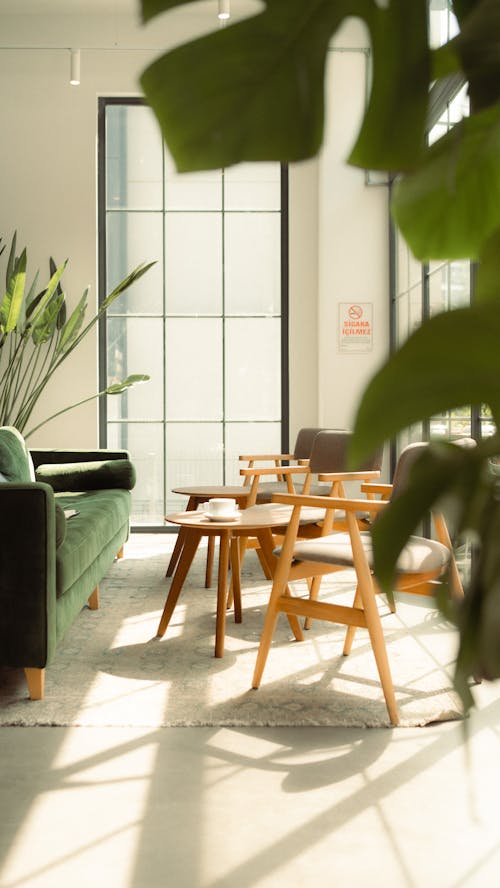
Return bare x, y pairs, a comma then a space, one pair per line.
16, 464
93, 475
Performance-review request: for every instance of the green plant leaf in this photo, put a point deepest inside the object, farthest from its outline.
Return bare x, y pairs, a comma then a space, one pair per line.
450, 205
150, 8
399, 94
40, 302
116, 388
488, 273
73, 325
11, 261
46, 322
10, 307
261, 94
452, 360
127, 282
478, 46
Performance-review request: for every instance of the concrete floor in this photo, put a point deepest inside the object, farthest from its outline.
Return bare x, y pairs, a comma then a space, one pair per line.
234, 808
253, 808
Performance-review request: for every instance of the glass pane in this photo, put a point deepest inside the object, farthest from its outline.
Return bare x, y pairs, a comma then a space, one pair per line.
252, 186
402, 319
192, 191
145, 443
438, 289
193, 368
415, 316
127, 354
193, 263
133, 238
194, 456
133, 158
459, 284
249, 437
253, 371
252, 263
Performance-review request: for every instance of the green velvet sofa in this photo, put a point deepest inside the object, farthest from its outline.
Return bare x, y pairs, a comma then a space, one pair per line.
51, 560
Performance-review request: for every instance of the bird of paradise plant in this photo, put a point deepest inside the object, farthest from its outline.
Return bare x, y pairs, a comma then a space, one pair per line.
37, 336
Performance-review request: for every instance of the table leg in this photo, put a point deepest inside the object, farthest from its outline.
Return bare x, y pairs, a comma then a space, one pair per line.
210, 561
181, 536
192, 539
235, 579
220, 625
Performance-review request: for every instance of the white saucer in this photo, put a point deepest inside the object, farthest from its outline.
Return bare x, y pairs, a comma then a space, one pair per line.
229, 517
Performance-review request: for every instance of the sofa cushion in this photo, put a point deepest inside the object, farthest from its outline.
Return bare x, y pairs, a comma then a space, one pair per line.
16, 465
100, 515
93, 475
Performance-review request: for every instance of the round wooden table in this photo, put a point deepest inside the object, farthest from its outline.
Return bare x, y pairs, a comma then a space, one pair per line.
256, 521
197, 495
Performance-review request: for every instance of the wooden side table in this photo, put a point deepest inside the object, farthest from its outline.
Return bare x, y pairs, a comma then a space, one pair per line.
197, 495
256, 521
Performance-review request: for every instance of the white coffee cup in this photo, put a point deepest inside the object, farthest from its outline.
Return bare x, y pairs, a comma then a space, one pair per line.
220, 507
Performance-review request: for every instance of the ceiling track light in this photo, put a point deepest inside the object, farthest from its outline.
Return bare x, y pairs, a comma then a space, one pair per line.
224, 10
74, 76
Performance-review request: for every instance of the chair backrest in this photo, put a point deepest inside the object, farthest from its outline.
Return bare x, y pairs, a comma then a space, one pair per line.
329, 453
409, 456
304, 442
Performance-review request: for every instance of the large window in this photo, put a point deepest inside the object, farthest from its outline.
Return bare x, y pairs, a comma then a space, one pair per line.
207, 322
421, 291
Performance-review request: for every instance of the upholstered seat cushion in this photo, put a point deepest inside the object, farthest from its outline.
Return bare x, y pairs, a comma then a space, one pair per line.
268, 488
92, 475
100, 514
277, 510
419, 555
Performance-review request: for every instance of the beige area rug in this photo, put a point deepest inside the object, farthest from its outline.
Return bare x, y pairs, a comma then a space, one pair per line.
112, 670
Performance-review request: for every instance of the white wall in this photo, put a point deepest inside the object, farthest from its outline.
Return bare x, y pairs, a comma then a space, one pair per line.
48, 192
353, 237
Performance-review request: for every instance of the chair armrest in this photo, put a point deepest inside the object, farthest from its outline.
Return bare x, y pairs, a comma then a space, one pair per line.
266, 457
266, 470
27, 574
349, 476
330, 502
384, 490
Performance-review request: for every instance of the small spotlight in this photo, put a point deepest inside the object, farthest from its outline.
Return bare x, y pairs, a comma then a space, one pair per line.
74, 77
224, 10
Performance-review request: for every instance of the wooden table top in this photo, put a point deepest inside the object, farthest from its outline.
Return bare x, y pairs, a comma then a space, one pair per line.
265, 515
208, 490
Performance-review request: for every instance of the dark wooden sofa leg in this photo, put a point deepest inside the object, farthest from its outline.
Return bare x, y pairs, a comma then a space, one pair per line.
35, 679
93, 601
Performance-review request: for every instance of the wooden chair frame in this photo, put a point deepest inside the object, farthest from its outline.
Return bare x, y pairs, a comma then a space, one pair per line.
364, 610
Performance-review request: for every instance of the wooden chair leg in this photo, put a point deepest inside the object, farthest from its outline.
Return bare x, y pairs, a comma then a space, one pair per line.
374, 626
93, 601
313, 596
35, 679
119, 554
351, 630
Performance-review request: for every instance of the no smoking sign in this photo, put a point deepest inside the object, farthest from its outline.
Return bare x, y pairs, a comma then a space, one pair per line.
355, 326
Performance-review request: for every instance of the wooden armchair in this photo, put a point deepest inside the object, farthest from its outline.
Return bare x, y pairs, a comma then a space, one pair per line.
421, 563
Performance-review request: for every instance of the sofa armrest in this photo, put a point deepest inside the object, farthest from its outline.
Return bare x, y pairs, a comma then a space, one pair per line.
27, 574
45, 455
105, 474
